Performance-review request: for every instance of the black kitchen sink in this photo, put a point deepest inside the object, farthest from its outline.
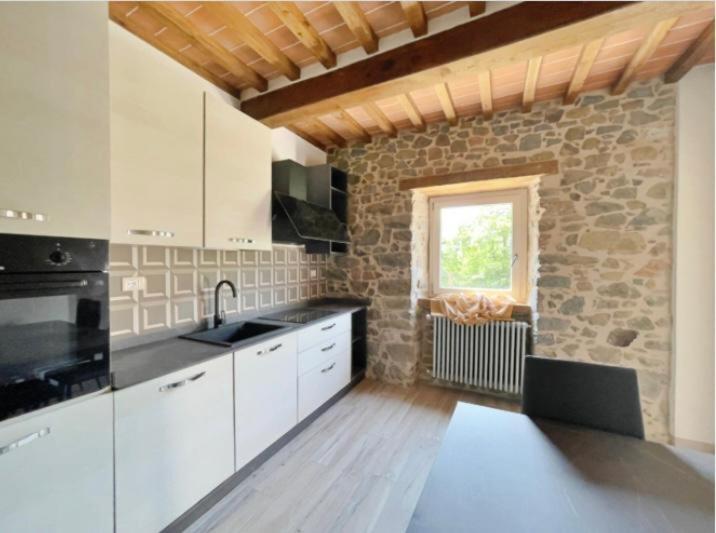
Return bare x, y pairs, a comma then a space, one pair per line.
232, 334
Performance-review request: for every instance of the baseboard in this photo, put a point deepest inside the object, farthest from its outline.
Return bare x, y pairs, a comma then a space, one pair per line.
694, 445
220, 492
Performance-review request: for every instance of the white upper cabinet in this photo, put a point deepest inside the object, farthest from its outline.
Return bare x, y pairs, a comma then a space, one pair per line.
54, 119
237, 179
156, 146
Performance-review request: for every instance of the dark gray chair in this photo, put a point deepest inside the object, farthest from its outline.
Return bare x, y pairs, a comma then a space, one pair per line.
597, 396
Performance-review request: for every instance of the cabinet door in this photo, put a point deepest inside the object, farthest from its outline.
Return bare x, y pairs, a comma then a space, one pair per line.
54, 121
156, 142
56, 470
237, 179
318, 385
174, 444
266, 398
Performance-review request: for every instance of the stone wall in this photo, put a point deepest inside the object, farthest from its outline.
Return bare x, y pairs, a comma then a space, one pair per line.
605, 232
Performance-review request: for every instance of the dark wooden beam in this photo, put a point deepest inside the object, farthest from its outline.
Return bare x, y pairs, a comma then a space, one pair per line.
518, 33
692, 56
482, 174
476, 8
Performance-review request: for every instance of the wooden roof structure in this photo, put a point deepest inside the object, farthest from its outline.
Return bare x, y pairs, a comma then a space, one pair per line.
495, 60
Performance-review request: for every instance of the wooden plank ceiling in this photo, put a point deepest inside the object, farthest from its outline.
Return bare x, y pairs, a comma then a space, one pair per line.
241, 45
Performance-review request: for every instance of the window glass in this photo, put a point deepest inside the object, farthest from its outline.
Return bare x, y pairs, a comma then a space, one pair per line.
476, 247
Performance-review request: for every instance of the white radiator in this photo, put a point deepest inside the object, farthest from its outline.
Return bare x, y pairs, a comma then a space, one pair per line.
490, 356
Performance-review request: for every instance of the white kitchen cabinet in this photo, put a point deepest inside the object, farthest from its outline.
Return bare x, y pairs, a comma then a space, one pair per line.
323, 331
54, 117
237, 179
324, 362
156, 146
266, 397
174, 441
318, 385
56, 470
314, 356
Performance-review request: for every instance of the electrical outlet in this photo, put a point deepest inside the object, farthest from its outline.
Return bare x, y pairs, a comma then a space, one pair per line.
133, 284
314, 273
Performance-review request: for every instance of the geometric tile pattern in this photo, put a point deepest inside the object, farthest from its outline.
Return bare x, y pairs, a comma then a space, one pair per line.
179, 284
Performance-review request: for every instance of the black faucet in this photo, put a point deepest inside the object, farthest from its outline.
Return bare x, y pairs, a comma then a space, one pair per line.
220, 317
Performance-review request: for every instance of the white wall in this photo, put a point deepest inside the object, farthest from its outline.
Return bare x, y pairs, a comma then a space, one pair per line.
288, 145
693, 360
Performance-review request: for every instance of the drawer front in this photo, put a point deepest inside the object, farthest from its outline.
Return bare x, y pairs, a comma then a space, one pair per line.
174, 443
56, 470
318, 385
323, 331
311, 358
266, 395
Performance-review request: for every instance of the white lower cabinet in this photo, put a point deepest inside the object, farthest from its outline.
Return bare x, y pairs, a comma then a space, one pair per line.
324, 362
318, 385
56, 470
174, 443
266, 396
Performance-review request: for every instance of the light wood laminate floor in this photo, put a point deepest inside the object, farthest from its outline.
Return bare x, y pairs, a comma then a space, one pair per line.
359, 467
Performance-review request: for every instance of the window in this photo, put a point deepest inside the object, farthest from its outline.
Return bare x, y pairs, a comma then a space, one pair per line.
478, 242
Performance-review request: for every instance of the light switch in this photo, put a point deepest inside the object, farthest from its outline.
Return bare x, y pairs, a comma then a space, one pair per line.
131, 284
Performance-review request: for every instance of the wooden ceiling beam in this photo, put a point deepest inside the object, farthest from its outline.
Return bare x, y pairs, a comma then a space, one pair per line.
446, 103
197, 39
694, 53
411, 110
528, 94
642, 55
587, 56
118, 15
355, 19
485, 84
415, 15
379, 117
539, 168
298, 24
245, 30
301, 132
354, 126
514, 34
328, 133
476, 8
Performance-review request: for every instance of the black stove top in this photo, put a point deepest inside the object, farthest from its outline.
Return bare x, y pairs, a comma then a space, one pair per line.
299, 316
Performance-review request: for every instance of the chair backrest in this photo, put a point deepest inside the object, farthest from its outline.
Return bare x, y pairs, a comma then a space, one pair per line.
598, 396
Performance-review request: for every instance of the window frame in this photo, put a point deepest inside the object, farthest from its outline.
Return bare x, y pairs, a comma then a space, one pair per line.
519, 200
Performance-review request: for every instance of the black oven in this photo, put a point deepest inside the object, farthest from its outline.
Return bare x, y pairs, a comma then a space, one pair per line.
54, 323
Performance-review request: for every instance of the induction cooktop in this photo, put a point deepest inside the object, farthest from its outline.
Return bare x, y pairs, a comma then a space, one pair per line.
299, 316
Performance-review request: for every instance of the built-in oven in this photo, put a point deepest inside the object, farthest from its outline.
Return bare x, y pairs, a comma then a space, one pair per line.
54, 323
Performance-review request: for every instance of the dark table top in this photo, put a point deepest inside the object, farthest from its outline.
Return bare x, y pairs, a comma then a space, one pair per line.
499, 471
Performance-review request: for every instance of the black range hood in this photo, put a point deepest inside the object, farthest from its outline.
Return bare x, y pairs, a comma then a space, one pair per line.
307, 221
309, 207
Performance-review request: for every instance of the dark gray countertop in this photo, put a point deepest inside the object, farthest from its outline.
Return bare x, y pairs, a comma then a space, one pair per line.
131, 366
502, 471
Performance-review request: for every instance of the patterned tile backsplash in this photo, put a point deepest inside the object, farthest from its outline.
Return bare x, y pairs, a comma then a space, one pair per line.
178, 292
